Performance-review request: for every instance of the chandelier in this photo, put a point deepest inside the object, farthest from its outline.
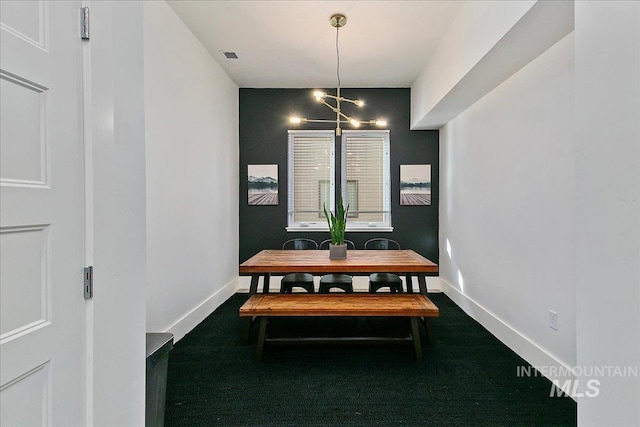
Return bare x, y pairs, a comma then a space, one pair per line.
324, 98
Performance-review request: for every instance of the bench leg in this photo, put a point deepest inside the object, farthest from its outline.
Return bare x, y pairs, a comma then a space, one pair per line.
415, 334
247, 330
265, 285
428, 329
262, 334
426, 322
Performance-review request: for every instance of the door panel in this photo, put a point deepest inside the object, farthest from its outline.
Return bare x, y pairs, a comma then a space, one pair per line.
42, 320
25, 260
23, 151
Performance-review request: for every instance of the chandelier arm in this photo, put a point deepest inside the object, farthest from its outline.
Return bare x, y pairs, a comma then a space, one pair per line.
334, 109
345, 116
353, 101
331, 96
333, 121
320, 121
341, 98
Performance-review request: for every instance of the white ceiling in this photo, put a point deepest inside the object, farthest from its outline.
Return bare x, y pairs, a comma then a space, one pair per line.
290, 44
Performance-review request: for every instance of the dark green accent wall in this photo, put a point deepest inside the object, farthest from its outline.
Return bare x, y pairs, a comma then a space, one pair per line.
264, 122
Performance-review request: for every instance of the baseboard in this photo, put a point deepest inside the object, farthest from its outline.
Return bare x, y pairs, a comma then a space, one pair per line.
550, 367
360, 284
193, 318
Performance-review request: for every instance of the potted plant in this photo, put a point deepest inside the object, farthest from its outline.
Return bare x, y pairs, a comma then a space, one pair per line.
337, 225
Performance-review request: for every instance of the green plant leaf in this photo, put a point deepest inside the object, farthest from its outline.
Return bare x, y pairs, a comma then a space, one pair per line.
337, 223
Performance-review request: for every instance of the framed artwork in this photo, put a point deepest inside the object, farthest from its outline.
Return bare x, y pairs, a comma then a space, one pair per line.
415, 185
262, 184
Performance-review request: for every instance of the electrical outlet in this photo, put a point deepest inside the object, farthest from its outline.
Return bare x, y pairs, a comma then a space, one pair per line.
553, 320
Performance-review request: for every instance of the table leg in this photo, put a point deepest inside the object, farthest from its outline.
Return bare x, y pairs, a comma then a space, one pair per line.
262, 334
265, 286
415, 334
409, 280
253, 289
423, 283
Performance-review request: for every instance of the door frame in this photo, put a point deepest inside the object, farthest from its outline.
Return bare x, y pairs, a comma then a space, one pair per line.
115, 212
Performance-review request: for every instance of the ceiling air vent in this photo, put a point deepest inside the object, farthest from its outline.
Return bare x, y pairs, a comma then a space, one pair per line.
232, 57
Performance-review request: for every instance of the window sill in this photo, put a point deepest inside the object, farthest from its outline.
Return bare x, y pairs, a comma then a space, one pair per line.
368, 229
350, 229
298, 228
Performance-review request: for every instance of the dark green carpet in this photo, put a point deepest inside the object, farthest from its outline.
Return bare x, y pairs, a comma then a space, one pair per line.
467, 378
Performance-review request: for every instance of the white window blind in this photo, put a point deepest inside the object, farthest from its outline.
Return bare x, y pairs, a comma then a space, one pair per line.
311, 174
366, 182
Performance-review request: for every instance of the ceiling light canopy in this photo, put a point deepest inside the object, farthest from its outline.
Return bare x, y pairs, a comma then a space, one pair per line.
337, 21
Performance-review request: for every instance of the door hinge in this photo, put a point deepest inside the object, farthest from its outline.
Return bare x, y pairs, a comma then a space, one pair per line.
88, 282
84, 23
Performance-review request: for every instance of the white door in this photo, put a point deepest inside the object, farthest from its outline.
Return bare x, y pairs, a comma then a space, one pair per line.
42, 308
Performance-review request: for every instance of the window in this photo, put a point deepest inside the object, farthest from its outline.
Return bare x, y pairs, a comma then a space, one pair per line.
365, 176
366, 172
311, 173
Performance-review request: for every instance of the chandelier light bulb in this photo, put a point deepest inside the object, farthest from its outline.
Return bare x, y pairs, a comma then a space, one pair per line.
354, 122
295, 120
319, 95
381, 122
359, 102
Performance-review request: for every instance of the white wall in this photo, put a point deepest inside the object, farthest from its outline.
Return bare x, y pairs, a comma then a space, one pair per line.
116, 382
487, 43
191, 109
475, 31
607, 220
507, 176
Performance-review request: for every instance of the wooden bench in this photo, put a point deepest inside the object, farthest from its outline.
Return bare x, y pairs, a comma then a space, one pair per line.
264, 306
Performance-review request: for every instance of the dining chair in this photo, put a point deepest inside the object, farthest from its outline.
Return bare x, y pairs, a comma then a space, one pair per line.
336, 280
383, 280
299, 280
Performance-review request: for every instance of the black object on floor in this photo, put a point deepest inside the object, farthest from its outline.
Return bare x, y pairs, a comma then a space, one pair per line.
467, 377
158, 347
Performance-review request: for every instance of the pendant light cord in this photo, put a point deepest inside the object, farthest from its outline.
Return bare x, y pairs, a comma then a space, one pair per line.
337, 55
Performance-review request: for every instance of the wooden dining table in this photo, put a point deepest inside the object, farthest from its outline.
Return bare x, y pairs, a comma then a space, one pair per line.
358, 262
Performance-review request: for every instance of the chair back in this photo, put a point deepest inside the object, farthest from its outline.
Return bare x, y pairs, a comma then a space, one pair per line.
381, 244
300, 244
325, 244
